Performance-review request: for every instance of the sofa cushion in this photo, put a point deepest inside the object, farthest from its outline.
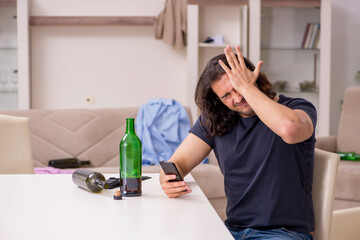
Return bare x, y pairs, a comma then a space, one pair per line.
341, 204
219, 204
209, 175
348, 134
348, 181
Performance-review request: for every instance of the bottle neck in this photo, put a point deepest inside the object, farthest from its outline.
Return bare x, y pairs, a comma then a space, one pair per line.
130, 128
102, 184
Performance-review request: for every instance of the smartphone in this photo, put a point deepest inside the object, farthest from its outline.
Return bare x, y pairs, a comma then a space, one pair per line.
170, 168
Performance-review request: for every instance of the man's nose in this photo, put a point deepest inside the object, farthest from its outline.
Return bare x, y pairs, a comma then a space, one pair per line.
237, 97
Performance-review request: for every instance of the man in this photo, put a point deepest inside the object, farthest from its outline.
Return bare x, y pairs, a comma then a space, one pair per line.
264, 145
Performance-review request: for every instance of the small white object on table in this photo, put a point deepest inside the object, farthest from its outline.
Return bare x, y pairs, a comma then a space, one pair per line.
47, 206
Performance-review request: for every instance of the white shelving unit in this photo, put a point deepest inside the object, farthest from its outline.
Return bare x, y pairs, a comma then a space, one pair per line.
282, 30
230, 21
263, 39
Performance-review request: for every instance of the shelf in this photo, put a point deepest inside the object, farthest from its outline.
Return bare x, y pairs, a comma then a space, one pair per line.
297, 90
218, 2
7, 49
264, 3
210, 45
8, 92
290, 49
291, 3
7, 3
91, 21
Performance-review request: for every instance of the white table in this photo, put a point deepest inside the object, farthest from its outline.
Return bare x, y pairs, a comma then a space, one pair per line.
53, 207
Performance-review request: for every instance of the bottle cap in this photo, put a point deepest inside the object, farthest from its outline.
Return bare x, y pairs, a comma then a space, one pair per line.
117, 195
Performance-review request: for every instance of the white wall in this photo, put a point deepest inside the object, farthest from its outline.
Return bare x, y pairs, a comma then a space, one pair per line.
125, 66
116, 65
345, 53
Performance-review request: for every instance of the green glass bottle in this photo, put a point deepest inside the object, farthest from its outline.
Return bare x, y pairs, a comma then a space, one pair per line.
350, 156
130, 162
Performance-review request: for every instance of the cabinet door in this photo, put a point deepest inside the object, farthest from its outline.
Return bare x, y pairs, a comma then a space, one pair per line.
8, 58
14, 55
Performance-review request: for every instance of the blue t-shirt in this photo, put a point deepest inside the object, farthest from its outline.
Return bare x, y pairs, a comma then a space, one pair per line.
268, 182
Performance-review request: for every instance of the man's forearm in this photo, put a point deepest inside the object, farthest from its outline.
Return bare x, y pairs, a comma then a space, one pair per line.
291, 125
189, 154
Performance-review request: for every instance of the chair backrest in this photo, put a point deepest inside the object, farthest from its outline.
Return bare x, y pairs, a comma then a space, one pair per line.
346, 224
349, 129
15, 147
325, 171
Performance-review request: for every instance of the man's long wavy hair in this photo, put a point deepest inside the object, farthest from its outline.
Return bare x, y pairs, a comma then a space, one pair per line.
218, 117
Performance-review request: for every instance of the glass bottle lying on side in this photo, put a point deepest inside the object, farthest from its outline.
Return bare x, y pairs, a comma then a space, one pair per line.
89, 180
350, 156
